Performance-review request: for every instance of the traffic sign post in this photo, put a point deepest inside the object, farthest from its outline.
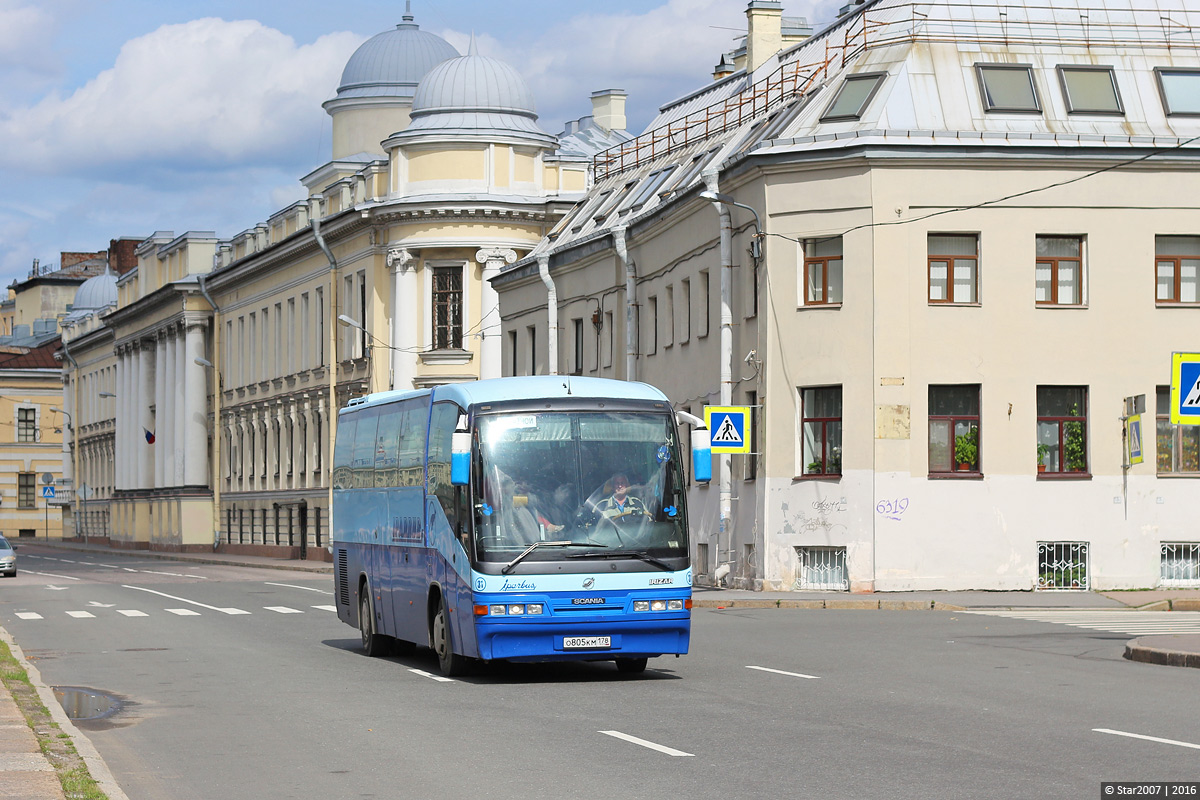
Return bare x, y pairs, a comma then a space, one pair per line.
727, 426
1185, 388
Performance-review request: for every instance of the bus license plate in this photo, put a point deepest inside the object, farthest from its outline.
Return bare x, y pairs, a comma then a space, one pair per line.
587, 642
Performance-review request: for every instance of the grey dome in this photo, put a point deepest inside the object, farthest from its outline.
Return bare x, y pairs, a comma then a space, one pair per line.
97, 292
392, 63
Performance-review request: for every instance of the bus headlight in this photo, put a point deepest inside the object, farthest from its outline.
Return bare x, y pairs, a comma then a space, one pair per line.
641, 605
498, 611
533, 608
516, 609
675, 605
658, 605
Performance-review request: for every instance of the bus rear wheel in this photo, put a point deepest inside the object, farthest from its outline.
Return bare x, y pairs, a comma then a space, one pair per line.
450, 663
373, 644
631, 665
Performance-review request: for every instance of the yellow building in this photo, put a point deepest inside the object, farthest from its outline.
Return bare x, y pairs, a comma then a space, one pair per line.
31, 442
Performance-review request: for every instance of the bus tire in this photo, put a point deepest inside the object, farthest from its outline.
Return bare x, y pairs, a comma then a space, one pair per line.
631, 666
373, 644
450, 663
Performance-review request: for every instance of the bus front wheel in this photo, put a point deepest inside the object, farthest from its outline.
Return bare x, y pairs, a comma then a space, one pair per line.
450, 663
631, 665
372, 643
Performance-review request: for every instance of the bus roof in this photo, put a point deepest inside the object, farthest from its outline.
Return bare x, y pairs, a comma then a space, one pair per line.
531, 387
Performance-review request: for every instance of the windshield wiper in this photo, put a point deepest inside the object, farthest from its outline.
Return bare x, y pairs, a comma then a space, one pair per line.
664, 566
508, 567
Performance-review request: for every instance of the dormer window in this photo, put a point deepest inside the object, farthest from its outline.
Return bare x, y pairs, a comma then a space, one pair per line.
1008, 87
1180, 90
852, 99
1090, 90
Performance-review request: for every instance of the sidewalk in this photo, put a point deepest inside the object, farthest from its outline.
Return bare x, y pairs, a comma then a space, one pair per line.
25, 773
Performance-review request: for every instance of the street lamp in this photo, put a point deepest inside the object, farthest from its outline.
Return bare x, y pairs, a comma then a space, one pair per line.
74, 471
725, 199
107, 394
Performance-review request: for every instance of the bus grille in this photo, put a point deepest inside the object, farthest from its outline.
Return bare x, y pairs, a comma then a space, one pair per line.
343, 579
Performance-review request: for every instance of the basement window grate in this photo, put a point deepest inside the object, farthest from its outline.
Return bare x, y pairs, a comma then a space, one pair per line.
1179, 565
822, 569
1063, 566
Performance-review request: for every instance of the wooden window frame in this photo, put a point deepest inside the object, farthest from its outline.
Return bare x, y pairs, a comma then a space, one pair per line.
824, 423
972, 421
447, 331
1061, 422
950, 267
1054, 262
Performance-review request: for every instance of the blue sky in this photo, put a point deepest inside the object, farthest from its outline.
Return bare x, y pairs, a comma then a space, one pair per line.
123, 117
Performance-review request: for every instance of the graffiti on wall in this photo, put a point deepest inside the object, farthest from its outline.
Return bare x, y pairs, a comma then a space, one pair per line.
819, 519
892, 509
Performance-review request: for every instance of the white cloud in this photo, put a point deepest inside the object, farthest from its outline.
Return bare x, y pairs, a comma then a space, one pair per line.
203, 93
24, 30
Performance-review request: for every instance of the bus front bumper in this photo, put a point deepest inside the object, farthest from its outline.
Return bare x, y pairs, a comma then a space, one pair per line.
594, 640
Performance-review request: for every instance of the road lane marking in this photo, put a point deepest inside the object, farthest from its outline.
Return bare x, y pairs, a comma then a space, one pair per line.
173, 574
183, 612
283, 610
28, 615
131, 612
327, 608
81, 614
1127, 621
634, 740
430, 675
185, 600
1148, 738
781, 672
51, 575
293, 586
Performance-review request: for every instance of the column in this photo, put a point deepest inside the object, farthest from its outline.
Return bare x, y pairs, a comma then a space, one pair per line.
271, 432
195, 419
492, 258
406, 300
160, 405
120, 427
145, 397
178, 438
166, 414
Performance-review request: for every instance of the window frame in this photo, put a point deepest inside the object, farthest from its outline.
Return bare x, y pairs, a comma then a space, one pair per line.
436, 269
27, 429
823, 261
1176, 433
950, 267
1162, 90
26, 490
972, 421
1054, 262
828, 116
824, 423
1177, 282
1061, 422
1063, 69
984, 95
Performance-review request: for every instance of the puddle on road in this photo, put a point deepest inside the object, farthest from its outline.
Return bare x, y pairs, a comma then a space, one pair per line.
86, 704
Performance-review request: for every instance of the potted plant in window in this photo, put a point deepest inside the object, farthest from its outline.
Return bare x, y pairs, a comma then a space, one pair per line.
815, 467
1043, 450
966, 449
1074, 451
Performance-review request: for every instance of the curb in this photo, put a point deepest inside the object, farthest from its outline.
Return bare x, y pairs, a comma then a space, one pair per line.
318, 566
87, 751
835, 604
1168, 658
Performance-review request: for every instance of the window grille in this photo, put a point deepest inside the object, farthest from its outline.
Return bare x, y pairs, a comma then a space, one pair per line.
1063, 566
822, 568
1179, 565
447, 308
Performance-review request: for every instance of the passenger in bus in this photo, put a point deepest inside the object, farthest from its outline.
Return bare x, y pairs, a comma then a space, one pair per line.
620, 504
515, 519
555, 512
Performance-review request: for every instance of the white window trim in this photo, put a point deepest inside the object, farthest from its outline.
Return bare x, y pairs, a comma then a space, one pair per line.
468, 321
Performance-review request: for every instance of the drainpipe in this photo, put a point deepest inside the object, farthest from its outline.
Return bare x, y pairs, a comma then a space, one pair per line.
543, 262
219, 432
630, 303
331, 418
725, 460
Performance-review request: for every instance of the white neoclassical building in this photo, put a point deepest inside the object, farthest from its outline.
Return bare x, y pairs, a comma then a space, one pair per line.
933, 248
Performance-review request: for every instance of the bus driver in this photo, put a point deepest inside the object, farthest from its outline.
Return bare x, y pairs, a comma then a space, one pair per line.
620, 504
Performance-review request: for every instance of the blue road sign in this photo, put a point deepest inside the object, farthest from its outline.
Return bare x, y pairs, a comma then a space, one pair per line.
48, 491
1185, 388
727, 428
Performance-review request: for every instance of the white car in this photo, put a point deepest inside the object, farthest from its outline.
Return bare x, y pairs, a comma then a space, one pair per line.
8, 559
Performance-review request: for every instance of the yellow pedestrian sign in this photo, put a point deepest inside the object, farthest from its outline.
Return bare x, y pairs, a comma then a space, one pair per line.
1133, 427
727, 427
1185, 388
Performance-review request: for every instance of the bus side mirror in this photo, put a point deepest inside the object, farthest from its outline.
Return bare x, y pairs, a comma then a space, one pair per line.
460, 458
701, 455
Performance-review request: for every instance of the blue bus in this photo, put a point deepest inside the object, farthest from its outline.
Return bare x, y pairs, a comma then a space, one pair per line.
519, 519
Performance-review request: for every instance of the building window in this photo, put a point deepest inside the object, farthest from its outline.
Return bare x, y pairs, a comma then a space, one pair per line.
823, 271
821, 430
1008, 87
26, 490
751, 458
669, 328
652, 326
27, 425
608, 351
1176, 265
1180, 91
1090, 90
1059, 271
1062, 429
954, 429
953, 268
577, 367
320, 326
1177, 447
512, 352
705, 305
447, 308
686, 307
531, 364
854, 96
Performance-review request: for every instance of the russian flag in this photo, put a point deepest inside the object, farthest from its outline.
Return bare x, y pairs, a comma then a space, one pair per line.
149, 436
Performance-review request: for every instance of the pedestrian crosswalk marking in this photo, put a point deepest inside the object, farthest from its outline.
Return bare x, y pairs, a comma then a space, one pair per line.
128, 612
81, 614
183, 612
28, 615
327, 608
283, 610
1136, 623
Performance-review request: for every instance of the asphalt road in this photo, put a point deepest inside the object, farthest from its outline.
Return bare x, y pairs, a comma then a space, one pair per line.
277, 702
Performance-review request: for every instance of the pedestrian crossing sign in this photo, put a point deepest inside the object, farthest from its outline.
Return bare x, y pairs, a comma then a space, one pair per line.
1133, 435
1185, 388
48, 492
727, 428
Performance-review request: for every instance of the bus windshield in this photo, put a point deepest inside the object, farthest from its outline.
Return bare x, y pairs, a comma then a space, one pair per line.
604, 482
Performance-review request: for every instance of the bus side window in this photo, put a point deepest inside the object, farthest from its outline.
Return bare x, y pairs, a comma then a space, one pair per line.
362, 458
342, 449
441, 429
